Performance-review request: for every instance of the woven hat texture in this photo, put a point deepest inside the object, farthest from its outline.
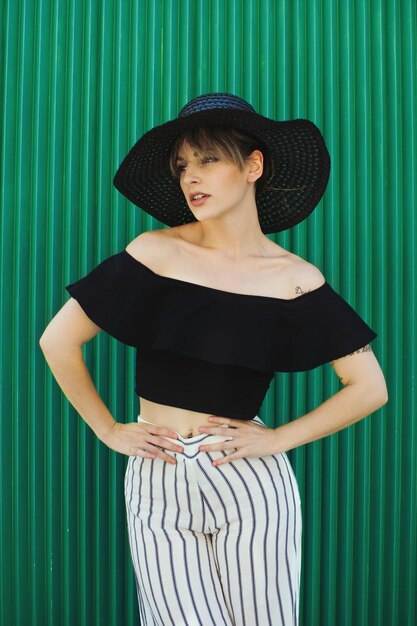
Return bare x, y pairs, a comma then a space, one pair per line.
296, 147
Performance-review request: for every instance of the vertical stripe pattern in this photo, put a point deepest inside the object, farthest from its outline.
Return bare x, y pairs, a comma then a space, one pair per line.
211, 545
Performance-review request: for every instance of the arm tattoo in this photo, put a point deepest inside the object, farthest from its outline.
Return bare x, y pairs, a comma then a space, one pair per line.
340, 377
366, 348
300, 291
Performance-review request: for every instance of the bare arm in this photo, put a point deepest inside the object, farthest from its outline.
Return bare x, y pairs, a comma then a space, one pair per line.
364, 392
61, 343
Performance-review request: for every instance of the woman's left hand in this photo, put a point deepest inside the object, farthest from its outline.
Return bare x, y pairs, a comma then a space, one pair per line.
249, 439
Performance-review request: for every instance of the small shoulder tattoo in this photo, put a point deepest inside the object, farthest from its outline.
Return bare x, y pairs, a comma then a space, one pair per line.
299, 291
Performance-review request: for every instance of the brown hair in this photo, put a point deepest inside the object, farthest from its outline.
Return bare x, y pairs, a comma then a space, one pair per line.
229, 144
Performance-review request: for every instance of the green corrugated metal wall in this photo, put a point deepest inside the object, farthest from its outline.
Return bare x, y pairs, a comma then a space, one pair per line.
81, 80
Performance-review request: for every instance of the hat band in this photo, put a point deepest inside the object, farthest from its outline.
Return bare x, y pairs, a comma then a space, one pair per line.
215, 101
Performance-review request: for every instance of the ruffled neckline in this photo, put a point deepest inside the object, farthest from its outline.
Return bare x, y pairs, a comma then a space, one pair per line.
149, 311
307, 294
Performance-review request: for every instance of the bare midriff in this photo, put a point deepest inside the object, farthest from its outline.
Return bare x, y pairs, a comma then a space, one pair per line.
185, 422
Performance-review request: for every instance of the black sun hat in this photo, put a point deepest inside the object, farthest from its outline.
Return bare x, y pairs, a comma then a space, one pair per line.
301, 163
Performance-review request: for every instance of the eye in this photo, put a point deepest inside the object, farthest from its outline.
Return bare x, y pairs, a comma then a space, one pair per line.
209, 159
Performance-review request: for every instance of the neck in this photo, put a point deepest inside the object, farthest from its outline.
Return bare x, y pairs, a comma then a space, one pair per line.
232, 239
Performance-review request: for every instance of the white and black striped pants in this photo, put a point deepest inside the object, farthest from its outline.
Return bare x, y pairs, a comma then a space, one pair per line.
214, 546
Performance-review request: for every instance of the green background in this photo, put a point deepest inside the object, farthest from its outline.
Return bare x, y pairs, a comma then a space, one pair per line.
81, 81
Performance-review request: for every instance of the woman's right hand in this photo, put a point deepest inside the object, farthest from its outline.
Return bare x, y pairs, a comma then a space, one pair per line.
143, 440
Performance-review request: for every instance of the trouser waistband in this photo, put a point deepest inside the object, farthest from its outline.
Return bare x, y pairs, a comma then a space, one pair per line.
191, 444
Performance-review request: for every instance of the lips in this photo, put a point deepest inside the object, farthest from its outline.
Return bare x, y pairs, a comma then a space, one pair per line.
198, 195
198, 198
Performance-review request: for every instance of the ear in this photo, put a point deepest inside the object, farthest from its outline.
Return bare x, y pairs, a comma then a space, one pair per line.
255, 163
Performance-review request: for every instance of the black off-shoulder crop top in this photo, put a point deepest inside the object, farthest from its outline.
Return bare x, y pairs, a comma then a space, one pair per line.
209, 350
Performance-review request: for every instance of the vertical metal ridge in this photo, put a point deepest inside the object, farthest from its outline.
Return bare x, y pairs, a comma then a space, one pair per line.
19, 332
379, 433
8, 126
363, 476
408, 549
395, 226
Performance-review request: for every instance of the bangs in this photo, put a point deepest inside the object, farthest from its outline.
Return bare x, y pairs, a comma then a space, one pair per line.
217, 142
224, 143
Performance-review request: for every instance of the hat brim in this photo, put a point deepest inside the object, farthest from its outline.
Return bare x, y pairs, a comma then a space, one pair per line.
297, 148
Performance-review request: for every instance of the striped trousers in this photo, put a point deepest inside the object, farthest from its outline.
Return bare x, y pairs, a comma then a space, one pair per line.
214, 546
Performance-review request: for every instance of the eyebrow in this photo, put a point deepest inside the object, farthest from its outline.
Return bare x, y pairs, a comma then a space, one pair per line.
180, 158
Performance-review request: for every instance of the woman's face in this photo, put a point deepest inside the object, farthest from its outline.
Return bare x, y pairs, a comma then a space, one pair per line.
223, 185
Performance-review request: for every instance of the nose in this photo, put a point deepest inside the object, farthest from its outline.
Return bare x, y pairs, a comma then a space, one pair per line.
191, 175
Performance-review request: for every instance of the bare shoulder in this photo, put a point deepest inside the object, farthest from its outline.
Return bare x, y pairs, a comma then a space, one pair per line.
303, 276
152, 247
148, 238
159, 246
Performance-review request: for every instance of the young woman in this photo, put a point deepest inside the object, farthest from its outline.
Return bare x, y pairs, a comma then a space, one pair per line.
214, 308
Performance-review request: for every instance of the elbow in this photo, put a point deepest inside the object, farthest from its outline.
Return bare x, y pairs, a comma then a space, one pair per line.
374, 396
381, 391
378, 395
382, 398
54, 343
44, 344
